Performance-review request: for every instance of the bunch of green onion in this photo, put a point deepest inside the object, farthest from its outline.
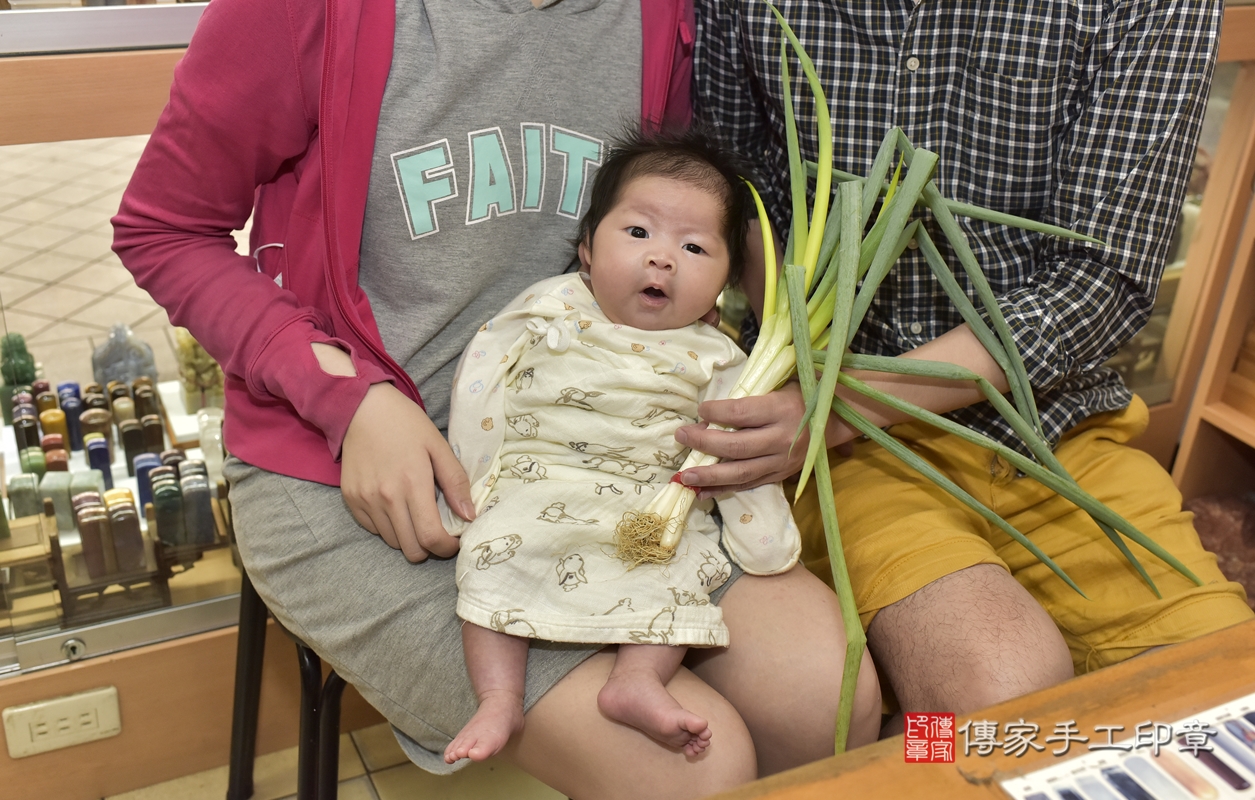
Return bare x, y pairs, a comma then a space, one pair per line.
814, 306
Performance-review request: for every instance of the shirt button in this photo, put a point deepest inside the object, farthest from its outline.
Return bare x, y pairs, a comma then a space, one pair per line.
912, 245
912, 63
916, 328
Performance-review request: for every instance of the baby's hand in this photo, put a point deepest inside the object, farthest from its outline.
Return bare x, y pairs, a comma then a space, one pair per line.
392, 460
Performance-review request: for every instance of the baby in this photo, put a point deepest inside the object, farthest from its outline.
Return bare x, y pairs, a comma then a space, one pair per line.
564, 412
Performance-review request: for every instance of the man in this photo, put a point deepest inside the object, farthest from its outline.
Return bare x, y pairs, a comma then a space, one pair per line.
1082, 114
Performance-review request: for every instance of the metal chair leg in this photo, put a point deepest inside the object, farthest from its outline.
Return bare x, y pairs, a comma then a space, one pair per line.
311, 709
250, 651
329, 737
318, 756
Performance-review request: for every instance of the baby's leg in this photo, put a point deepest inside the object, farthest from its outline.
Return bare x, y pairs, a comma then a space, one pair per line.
497, 664
636, 694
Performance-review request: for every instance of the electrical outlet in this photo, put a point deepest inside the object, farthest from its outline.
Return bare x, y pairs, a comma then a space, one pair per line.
62, 722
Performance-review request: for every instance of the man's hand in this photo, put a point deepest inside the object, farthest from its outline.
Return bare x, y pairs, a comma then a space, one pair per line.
760, 451
392, 460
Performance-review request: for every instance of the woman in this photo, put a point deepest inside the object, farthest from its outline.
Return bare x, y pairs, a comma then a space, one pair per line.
409, 169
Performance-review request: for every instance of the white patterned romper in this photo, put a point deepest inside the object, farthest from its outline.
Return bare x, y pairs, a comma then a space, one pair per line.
563, 421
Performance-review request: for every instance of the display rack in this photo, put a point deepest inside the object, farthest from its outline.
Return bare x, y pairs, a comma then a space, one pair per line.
24, 559
35, 549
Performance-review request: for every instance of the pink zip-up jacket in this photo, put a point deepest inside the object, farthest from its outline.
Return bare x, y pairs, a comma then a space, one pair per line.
275, 106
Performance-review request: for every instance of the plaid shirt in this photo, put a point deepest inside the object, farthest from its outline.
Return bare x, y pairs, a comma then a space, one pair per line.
1083, 114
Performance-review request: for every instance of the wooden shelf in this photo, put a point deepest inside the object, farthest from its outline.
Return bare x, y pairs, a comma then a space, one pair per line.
1237, 38
1218, 446
1230, 420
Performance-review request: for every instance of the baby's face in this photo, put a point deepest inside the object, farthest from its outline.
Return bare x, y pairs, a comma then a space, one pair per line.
658, 260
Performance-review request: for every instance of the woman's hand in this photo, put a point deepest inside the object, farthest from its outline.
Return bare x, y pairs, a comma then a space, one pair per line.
761, 450
392, 459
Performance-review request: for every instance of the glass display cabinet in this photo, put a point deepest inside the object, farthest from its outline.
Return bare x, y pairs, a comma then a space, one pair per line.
74, 73
80, 89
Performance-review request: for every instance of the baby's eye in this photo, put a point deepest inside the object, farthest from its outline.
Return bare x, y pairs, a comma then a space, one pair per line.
693, 248
637, 232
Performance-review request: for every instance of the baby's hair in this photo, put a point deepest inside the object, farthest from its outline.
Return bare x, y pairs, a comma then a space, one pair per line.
693, 156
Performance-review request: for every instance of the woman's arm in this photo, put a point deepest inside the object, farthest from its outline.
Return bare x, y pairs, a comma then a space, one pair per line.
242, 113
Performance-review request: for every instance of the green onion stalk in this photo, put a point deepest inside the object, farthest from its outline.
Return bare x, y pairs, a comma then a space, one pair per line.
815, 304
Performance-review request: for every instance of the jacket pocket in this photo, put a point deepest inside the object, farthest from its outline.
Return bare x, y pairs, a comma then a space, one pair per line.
272, 261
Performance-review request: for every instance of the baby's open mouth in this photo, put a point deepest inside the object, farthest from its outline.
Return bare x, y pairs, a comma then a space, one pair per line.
655, 292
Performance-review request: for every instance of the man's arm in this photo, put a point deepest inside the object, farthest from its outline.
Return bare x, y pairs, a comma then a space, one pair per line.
1121, 164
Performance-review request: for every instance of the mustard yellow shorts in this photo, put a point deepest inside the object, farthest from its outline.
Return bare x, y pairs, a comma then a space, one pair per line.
900, 532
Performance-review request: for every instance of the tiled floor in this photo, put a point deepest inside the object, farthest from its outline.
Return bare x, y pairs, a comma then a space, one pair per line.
372, 767
60, 285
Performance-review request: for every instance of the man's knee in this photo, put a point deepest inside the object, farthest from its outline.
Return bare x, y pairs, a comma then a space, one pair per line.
966, 641
997, 677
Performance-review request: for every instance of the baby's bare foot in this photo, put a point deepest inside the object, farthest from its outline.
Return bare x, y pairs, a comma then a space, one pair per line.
639, 699
499, 717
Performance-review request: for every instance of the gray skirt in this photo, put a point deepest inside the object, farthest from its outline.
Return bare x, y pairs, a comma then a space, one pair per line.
386, 625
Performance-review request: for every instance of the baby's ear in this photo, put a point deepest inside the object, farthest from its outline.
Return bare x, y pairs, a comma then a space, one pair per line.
586, 256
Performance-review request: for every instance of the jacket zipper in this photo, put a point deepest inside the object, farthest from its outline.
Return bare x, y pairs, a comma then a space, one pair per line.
329, 51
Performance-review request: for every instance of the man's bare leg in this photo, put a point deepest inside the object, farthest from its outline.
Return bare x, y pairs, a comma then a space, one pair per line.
636, 694
497, 664
967, 641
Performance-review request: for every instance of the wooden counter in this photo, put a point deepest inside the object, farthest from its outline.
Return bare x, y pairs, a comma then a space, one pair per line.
175, 702
1163, 686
